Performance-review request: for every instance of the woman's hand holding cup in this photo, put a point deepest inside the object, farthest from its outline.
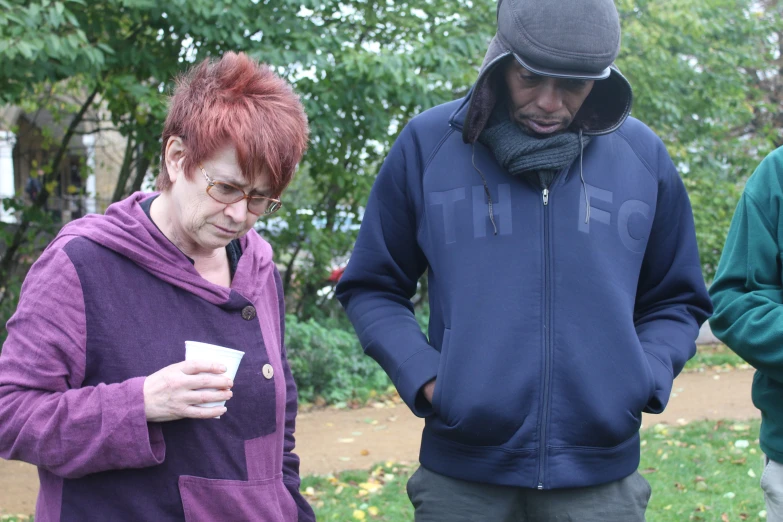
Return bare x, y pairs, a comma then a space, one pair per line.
176, 391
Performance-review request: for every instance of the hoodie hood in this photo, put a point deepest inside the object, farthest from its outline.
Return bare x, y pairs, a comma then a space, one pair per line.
127, 230
603, 111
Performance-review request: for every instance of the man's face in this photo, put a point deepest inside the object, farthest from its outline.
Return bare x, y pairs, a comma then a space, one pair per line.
542, 105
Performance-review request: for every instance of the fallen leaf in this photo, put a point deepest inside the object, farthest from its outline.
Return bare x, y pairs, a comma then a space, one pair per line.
647, 471
724, 517
345, 440
358, 514
371, 487
372, 510
364, 452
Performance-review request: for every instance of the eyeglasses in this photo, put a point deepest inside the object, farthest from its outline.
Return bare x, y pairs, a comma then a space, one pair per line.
228, 194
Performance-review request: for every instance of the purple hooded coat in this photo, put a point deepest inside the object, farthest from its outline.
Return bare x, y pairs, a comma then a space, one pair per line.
110, 301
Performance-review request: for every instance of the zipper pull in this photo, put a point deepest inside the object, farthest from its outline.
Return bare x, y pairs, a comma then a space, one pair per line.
545, 192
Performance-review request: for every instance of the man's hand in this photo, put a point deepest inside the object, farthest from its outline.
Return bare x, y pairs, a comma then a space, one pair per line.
173, 392
428, 389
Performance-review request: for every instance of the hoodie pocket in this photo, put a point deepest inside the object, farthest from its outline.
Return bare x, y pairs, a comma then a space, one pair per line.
650, 378
208, 500
484, 394
440, 379
598, 394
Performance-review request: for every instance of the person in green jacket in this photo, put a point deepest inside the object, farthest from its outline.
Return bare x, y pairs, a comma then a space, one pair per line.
747, 295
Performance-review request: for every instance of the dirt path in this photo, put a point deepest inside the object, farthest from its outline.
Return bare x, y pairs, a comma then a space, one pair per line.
335, 440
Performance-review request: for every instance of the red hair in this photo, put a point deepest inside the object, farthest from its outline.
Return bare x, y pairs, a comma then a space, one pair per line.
239, 101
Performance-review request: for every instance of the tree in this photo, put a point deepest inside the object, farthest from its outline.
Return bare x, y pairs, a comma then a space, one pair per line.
363, 72
695, 68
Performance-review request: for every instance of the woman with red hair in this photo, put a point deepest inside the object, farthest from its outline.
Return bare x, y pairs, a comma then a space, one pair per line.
94, 386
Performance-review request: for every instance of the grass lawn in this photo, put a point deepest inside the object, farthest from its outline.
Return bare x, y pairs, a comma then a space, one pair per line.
715, 357
703, 471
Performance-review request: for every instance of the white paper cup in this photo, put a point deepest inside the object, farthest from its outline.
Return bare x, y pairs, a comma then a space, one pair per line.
195, 350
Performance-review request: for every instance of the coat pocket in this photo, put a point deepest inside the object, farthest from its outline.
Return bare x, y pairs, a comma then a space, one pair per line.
650, 378
208, 500
440, 380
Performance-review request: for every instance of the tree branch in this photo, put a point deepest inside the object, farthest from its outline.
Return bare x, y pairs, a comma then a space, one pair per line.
289, 268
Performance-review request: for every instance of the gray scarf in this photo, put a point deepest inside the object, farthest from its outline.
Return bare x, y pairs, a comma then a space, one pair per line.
519, 152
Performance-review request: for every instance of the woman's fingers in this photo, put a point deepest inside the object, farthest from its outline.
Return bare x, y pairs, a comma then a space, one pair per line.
197, 412
205, 396
195, 366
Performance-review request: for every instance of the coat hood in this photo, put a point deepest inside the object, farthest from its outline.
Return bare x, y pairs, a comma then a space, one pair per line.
127, 230
604, 111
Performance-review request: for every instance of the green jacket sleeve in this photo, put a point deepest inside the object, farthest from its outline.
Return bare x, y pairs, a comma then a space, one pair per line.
747, 292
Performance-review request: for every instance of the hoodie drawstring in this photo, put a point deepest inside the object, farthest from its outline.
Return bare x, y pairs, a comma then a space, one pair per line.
486, 188
582, 177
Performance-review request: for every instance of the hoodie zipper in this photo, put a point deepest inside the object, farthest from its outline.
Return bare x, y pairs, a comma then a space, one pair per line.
542, 434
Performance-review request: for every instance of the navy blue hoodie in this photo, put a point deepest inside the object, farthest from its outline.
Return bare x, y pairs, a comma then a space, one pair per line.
549, 338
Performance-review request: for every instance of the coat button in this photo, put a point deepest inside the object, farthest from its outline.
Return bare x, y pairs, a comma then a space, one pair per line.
248, 313
268, 371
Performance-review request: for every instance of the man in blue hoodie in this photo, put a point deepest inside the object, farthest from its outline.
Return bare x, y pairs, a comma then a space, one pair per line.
564, 279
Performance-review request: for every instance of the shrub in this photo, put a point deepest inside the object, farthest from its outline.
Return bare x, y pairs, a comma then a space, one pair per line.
327, 361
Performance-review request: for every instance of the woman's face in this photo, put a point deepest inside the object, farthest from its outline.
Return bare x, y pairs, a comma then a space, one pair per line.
200, 223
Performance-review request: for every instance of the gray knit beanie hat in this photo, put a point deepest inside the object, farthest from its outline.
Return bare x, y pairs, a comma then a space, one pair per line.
561, 38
